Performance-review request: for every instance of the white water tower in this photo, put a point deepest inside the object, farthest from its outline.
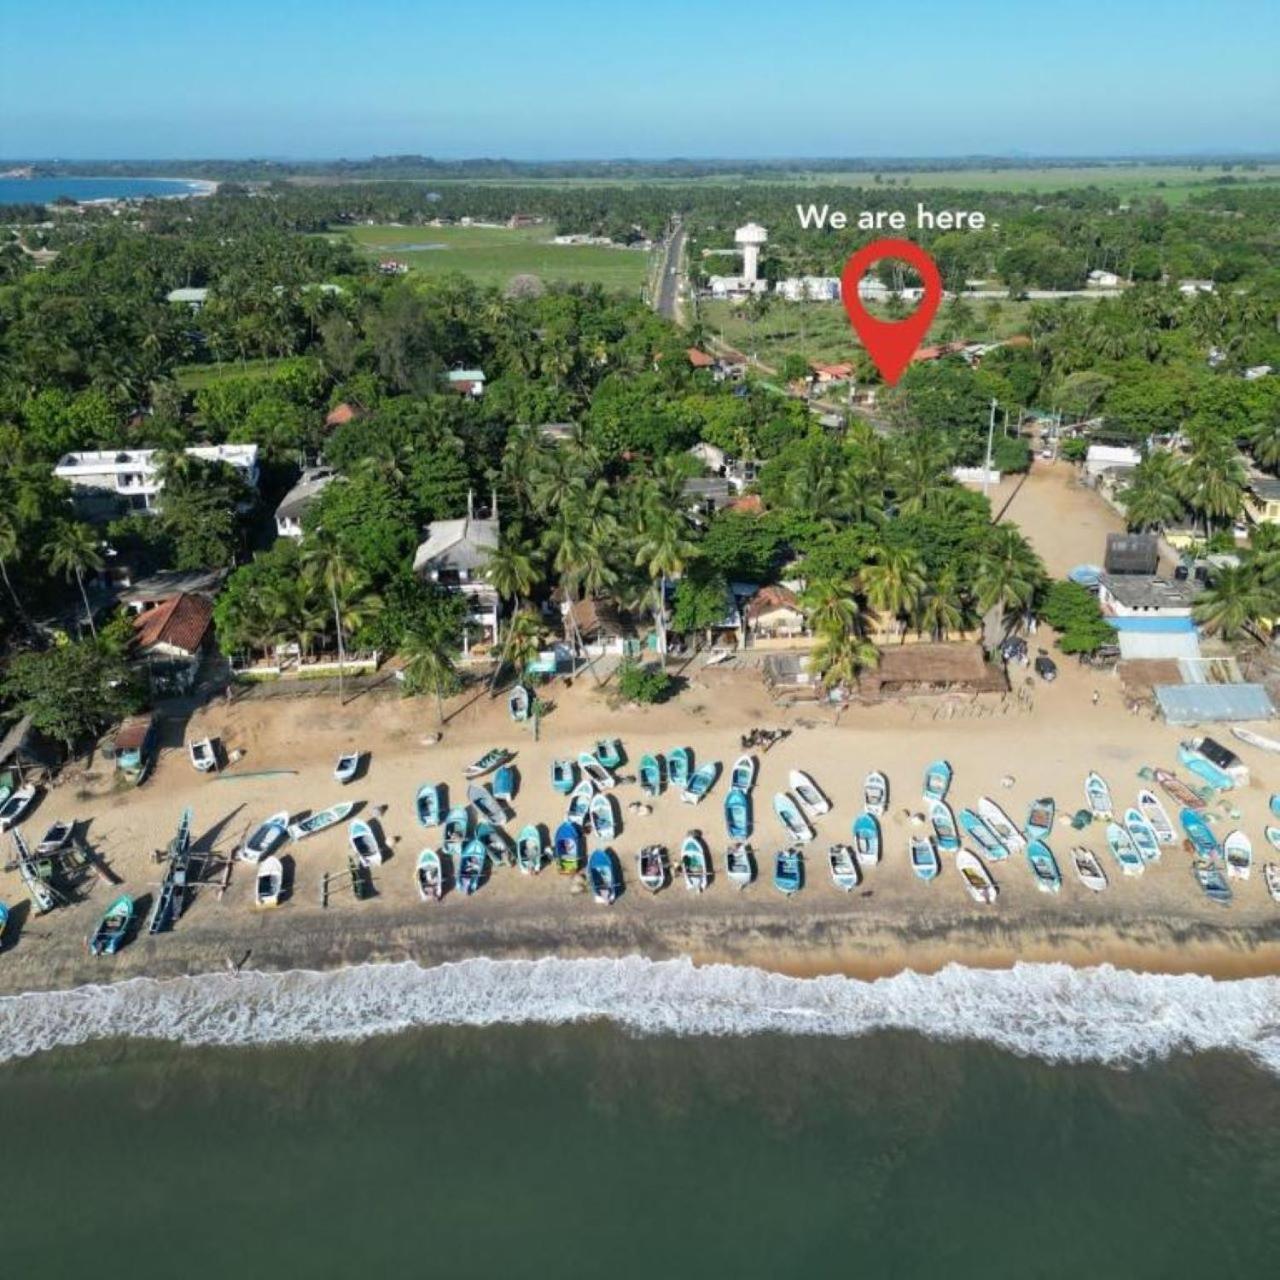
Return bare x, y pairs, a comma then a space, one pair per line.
749, 239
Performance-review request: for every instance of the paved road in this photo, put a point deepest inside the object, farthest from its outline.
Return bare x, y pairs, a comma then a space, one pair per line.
668, 285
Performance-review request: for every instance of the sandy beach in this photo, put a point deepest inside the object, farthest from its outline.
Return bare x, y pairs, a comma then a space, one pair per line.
1158, 922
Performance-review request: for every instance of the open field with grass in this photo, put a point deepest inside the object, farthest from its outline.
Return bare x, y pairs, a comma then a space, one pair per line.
492, 255
191, 377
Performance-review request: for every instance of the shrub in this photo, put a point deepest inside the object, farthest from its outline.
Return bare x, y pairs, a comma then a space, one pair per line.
643, 683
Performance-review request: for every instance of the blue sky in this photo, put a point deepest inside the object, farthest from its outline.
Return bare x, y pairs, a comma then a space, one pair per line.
564, 78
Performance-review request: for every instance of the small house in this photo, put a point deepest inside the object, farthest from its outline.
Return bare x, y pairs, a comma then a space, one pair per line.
774, 613
1106, 457
455, 555
171, 638
289, 513
133, 745
1263, 501
1132, 553
467, 382
600, 628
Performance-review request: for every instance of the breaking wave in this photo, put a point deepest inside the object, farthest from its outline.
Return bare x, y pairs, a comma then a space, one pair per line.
1049, 1011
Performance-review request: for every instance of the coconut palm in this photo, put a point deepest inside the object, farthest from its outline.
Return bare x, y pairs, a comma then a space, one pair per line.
1264, 440
840, 656
662, 551
1153, 499
428, 665
1214, 481
893, 581
1236, 601
942, 610
524, 639
1008, 572
9, 547
831, 606
329, 568
73, 551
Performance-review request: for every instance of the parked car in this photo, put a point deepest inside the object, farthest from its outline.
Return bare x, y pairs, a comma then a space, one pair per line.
1046, 669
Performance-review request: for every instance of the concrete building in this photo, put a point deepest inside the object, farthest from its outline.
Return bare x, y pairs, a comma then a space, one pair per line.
749, 240
105, 482
1106, 457
193, 298
1151, 615
454, 556
310, 485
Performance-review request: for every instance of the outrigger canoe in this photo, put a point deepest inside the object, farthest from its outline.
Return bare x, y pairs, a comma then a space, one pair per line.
1143, 835
267, 838
529, 850
977, 879
1001, 825
1044, 866
924, 857
944, 827
319, 821
113, 928
989, 844
792, 819
788, 871
1157, 816
651, 867
679, 767
1237, 848
701, 782
737, 814
429, 805
937, 781
744, 773
652, 775
568, 848
875, 793
739, 865
488, 762
866, 839
1198, 832
1040, 818
1124, 851
429, 876
694, 864
809, 794
844, 867
602, 875
1098, 796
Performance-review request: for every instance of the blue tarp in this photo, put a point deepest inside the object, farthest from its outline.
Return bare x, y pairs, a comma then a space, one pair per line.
1202, 703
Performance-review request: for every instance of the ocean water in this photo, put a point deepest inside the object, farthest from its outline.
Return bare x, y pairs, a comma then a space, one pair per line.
44, 190
496, 1119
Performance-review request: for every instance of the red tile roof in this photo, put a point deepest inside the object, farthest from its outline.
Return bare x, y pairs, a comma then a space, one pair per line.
751, 504
343, 413
700, 359
843, 370
769, 598
181, 622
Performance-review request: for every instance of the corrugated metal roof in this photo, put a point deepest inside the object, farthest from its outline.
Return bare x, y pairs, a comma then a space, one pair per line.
1203, 703
1159, 644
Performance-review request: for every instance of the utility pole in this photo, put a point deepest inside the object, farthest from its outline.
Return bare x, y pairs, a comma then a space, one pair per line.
991, 429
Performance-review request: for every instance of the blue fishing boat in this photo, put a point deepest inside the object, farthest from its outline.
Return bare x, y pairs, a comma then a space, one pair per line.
1040, 818
792, 819
1143, 835
937, 781
602, 874
1275, 806
609, 752
4, 922
989, 844
112, 929
788, 871
1124, 851
457, 830
866, 840
652, 775
505, 782
737, 814
1210, 878
679, 767
568, 848
604, 817
471, 867
1044, 866
429, 804
519, 703
1197, 829
701, 782
1203, 767
944, 827
530, 850
580, 802
924, 858
564, 776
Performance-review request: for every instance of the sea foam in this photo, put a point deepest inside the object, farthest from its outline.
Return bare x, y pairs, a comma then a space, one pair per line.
1049, 1011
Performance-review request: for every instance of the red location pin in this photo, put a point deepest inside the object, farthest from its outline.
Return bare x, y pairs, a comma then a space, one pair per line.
891, 343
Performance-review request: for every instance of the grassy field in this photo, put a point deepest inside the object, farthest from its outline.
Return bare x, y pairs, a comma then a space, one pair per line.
191, 377
492, 255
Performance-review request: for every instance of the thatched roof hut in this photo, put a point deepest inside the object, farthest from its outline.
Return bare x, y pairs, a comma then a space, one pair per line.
932, 668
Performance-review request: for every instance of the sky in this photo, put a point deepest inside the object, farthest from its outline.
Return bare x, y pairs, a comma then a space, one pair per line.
556, 79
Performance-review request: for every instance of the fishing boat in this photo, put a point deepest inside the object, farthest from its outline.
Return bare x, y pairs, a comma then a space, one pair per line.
1204, 768
1209, 876
1044, 866
651, 867
924, 857
267, 837
788, 870
702, 780
1198, 832
488, 762
679, 767
604, 816
739, 865
737, 814
204, 758
1040, 818
269, 882
56, 838
844, 868
320, 821
609, 752
944, 827
1124, 851
1143, 835
485, 802
1273, 836
361, 878
937, 781
743, 775
1176, 789
428, 875
497, 843
1001, 825
1155, 813
977, 879
568, 848
580, 802
11, 812
1088, 869
1271, 874
364, 843
564, 776
347, 767
1274, 804
109, 935
788, 813
594, 771
652, 775
1237, 848
1261, 741
866, 840
809, 794
694, 863
505, 782
875, 793
457, 829
519, 702
42, 894
471, 867
529, 850
428, 804
4, 922
602, 875
1098, 796
989, 844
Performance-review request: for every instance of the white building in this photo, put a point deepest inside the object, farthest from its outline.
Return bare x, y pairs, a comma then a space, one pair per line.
193, 298
1098, 279
1105, 457
299, 498
454, 556
108, 479
749, 240
1151, 615
809, 288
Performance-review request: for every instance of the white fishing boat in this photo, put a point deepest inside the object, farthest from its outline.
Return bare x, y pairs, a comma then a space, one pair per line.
739, 865
1157, 816
1088, 869
266, 838
429, 876
1000, 825
793, 821
204, 758
595, 771
1124, 851
694, 863
743, 776
1238, 849
1098, 796
651, 866
977, 879
875, 793
319, 821
347, 767
580, 802
13, 809
809, 794
924, 858
1261, 741
1143, 834
844, 867
55, 839
364, 843
268, 883
1271, 874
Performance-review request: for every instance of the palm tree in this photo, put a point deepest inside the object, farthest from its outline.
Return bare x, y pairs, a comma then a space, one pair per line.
524, 639
1214, 481
428, 664
9, 546
72, 551
1235, 602
1008, 572
942, 610
831, 606
327, 564
840, 656
1264, 440
1153, 499
893, 581
662, 550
